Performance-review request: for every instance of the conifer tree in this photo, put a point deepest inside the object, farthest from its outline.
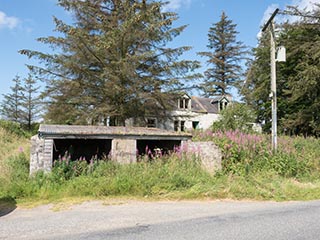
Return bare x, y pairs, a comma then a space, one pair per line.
30, 102
22, 104
224, 58
298, 81
113, 62
11, 104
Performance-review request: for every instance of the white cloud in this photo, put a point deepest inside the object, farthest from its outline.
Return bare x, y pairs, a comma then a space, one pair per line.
267, 13
301, 4
8, 22
304, 4
174, 5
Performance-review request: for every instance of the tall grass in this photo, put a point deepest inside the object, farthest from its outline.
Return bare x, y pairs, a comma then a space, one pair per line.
249, 171
107, 178
11, 144
246, 153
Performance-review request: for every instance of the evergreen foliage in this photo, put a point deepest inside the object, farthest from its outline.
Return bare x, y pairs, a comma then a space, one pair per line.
224, 58
298, 79
30, 106
11, 104
22, 105
112, 63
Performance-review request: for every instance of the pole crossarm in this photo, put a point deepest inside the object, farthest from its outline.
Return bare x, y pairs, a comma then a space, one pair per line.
270, 20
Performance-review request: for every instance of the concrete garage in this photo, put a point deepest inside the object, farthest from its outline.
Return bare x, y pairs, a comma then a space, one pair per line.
121, 144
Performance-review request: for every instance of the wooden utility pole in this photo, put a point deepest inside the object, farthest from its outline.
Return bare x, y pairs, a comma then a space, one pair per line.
273, 94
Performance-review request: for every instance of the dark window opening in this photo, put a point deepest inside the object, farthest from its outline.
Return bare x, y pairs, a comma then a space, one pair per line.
81, 148
154, 148
184, 103
151, 123
182, 126
223, 104
176, 126
181, 103
195, 124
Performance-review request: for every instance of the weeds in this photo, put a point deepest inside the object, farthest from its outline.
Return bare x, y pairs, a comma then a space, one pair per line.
250, 153
250, 170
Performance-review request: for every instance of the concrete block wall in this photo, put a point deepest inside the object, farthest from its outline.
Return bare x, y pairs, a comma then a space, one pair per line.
208, 152
124, 150
41, 154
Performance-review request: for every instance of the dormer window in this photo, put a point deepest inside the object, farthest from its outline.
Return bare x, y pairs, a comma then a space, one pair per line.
223, 104
184, 103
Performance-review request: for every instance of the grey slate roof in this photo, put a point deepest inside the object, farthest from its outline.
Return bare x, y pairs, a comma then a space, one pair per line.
81, 131
206, 105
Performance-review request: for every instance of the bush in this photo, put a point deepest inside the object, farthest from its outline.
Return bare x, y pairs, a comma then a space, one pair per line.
236, 116
14, 128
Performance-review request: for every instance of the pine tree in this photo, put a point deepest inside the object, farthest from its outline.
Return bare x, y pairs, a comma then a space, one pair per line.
30, 102
11, 104
113, 62
224, 58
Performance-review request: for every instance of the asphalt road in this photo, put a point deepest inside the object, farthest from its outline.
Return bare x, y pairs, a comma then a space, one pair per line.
166, 220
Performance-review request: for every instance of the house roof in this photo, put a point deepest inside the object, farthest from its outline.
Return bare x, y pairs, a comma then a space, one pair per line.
205, 105
104, 132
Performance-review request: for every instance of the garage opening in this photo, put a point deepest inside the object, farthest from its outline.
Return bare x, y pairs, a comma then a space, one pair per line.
153, 147
81, 148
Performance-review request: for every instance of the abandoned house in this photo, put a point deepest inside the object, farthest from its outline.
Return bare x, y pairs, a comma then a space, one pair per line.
189, 113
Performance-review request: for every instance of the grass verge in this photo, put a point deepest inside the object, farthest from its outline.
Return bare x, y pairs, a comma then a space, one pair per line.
249, 171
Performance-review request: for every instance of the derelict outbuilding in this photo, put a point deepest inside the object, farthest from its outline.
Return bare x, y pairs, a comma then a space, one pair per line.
121, 144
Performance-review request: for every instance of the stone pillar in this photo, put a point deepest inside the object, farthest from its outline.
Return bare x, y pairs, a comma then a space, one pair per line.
124, 150
209, 153
41, 154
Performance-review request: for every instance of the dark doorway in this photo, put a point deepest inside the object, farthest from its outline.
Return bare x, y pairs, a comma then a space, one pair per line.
152, 147
81, 148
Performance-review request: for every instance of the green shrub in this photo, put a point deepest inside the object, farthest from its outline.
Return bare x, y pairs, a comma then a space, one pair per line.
14, 128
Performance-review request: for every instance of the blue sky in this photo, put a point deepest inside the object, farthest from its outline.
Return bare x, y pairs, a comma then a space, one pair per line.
22, 21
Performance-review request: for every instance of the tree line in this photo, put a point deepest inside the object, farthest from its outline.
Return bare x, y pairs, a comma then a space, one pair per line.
298, 79
115, 62
22, 104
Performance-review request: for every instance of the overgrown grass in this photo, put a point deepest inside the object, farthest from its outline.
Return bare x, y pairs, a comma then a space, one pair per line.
250, 171
11, 144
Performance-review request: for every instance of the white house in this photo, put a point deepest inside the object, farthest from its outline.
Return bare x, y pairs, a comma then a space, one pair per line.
190, 113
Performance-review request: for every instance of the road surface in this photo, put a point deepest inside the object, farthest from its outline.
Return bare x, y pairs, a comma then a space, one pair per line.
166, 220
